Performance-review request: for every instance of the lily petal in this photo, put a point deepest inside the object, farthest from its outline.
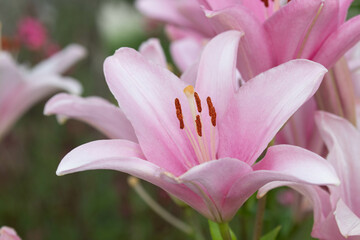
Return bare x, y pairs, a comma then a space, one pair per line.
324, 222
254, 54
215, 178
347, 220
7, 233
339, 42
315, 21
61, 61
216, 75
162, 10
125, 156
9, 71
23, 95
190, 75
185, 52
298, 163
95, 111
301, 129
343, 155
146, 93
281, 163
216, 5
153, 51
268, 101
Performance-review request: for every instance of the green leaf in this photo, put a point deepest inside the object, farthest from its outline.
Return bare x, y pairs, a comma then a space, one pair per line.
215, 231
272, 234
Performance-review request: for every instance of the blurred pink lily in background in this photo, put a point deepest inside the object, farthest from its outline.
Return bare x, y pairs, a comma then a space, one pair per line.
187, 27
353, 59
112, 122
275, 31
337, 210
201, 144
301, 130
339, 94
7, 233
20, 87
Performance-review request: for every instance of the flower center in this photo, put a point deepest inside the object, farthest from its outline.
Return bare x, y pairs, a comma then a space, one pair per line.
204, 150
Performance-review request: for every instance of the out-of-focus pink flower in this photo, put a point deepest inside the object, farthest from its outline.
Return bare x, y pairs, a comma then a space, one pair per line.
32, 33
336, 95
353, 58
20, 87
112, 122
336, 210
274, 31
301, 130
7, 233
203, 148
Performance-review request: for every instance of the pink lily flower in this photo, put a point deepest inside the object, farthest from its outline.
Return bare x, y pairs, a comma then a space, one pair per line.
336, 211
20, 87
201, 144
275, 31
7, 233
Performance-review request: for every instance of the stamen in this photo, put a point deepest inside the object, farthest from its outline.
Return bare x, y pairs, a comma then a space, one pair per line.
212, 112
179, 113
198, 126
198, 142
213, 118
198, 102
266, 2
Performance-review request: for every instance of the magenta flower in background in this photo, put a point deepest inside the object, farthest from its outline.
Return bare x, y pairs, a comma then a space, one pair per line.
200, 144
7, 233
20, 87
32, 33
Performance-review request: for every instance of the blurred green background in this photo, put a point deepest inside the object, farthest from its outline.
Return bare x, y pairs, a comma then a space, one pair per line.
95, 204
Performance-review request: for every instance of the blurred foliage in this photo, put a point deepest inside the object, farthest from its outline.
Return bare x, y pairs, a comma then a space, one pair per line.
98, 204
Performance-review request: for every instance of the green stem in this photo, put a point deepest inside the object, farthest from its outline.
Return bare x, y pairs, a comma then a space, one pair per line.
194, 222
259, 218
225, 231
135, 184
